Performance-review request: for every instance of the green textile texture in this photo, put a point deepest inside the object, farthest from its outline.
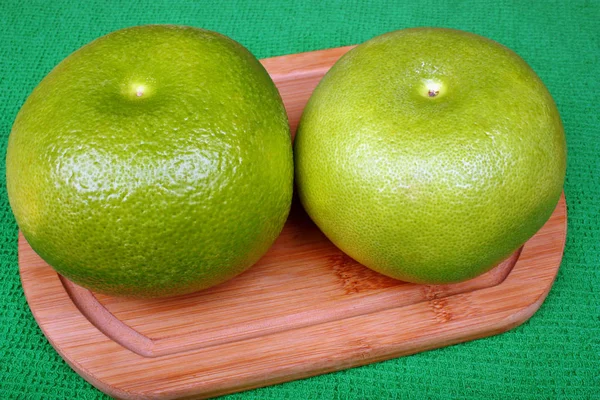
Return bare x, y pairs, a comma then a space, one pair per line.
556, 354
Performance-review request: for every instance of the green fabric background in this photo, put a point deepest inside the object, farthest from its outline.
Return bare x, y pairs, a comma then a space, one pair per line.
556, 354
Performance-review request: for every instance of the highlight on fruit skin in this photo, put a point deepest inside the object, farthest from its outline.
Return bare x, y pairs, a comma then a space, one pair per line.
430, 154
154, 161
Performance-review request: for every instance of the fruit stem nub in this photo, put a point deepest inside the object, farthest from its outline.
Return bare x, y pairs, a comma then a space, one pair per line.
433, 88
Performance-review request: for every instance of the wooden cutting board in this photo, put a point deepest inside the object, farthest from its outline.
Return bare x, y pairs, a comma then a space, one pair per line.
304, 309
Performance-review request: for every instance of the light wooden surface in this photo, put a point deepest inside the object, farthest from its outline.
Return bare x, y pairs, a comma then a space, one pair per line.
304, 309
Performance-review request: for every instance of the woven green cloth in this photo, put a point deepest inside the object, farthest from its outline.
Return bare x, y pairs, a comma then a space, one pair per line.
556, 354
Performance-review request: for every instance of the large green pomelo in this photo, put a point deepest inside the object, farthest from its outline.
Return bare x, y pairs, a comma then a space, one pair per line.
430, 154
153, 161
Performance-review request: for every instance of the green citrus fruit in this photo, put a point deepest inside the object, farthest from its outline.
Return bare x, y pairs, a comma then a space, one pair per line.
429, 155
153, 161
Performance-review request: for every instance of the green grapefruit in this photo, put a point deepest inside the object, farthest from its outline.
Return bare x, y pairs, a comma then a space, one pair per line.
154, 161
430, 154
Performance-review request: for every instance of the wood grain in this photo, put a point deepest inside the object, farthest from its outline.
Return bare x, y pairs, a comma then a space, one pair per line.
304, 309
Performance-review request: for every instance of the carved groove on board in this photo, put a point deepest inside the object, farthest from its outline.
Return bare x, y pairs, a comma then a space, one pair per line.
135, 341
106, 322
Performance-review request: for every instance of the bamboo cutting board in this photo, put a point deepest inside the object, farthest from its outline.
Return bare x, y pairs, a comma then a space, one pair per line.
304, 309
